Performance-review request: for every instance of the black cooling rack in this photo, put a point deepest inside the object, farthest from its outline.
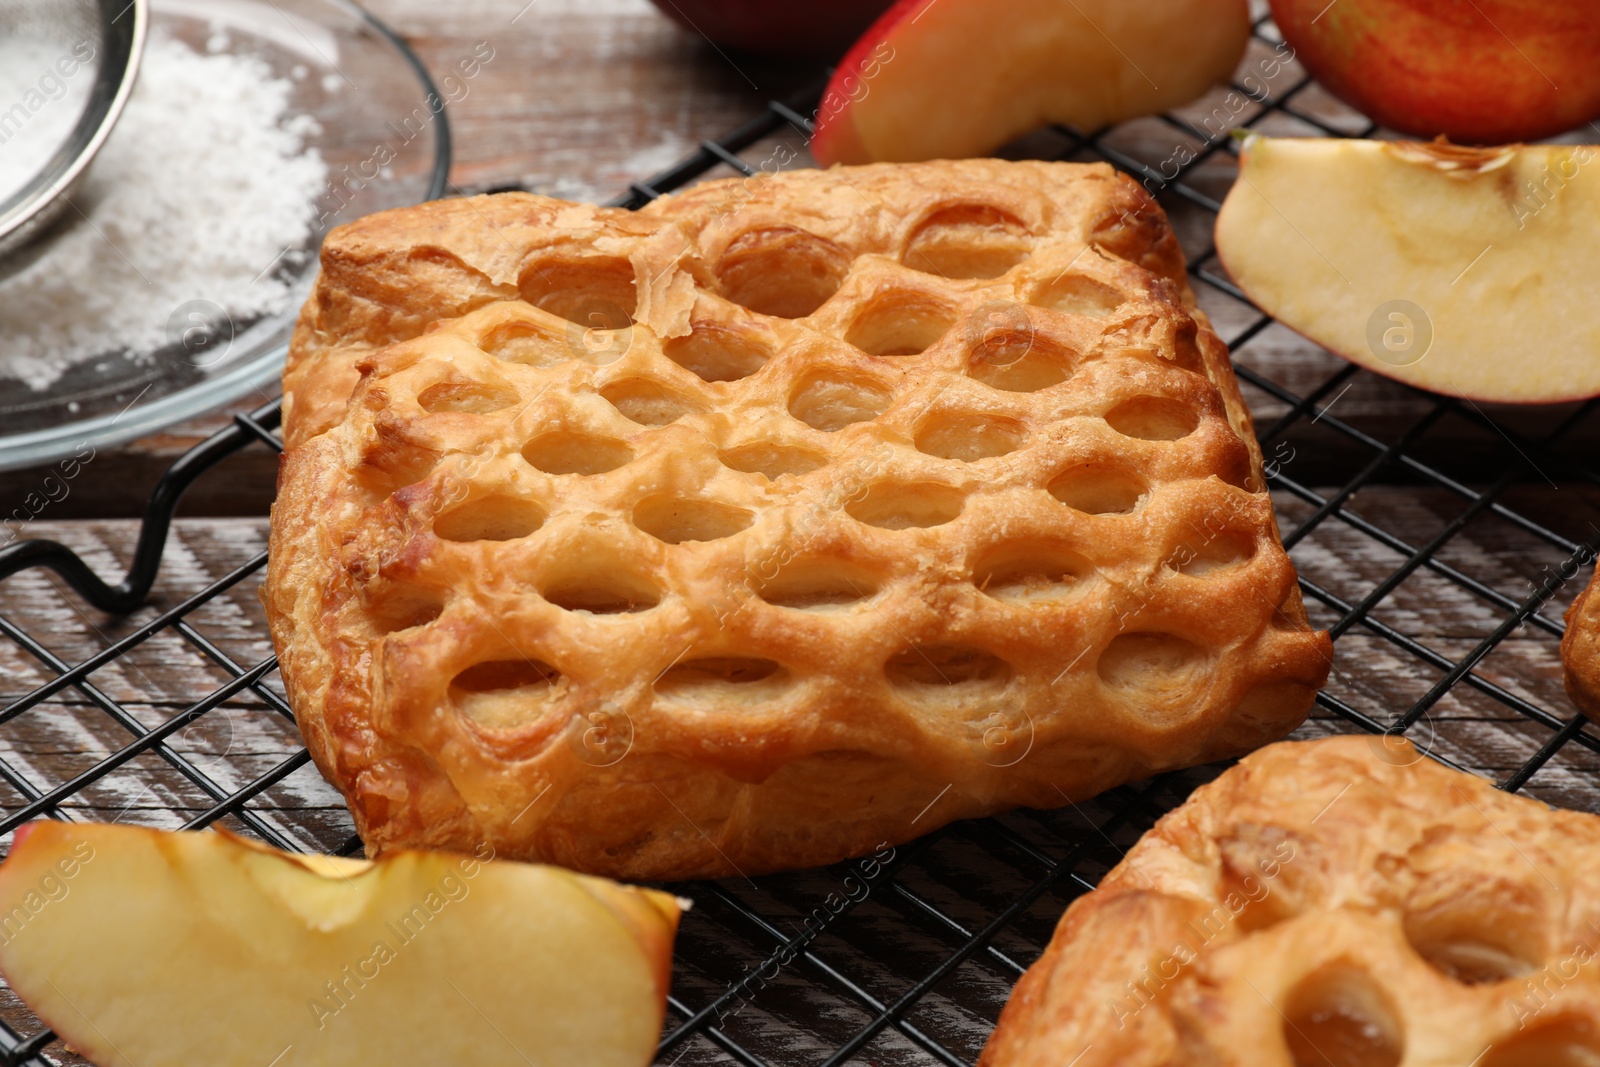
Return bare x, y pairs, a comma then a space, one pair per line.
905, 957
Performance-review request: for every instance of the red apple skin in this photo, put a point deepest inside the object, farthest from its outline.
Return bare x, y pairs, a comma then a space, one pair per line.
1431, 67
978, 73
21, 835
816, 29
838, 142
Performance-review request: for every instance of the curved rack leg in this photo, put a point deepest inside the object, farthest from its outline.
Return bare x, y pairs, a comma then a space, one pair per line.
131, 591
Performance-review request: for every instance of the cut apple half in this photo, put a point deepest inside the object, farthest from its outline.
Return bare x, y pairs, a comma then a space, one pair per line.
946, 79
1465, 271
143, 948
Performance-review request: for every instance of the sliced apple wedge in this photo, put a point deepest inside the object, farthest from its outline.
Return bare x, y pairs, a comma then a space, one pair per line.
143, 948
1460, 270
945, 79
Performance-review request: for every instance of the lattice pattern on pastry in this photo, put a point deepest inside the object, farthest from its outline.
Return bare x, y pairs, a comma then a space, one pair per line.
1341, 901
940, 524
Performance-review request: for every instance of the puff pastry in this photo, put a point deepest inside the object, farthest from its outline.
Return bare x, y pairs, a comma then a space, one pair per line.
1580, 651
781, 519
1345, 901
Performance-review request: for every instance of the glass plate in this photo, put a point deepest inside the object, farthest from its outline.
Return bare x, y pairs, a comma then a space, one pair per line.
323, 48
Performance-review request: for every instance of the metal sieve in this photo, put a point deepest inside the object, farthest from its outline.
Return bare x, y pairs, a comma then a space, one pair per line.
80, 54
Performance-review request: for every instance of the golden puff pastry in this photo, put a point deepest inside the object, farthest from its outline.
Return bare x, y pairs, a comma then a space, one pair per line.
1580, 649
779, 520
1345, 901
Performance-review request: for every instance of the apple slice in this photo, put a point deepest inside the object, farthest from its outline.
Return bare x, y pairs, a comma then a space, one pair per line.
944, 79
1460, 270
143, 948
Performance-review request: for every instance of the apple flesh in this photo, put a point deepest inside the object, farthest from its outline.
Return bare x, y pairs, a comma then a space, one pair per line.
1478, 72
143, 948
1458, 270
945, 79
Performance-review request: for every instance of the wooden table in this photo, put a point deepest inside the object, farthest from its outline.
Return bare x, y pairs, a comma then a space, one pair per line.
585, 96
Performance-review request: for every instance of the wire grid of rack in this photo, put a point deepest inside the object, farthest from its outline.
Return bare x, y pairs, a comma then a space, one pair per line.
908, 956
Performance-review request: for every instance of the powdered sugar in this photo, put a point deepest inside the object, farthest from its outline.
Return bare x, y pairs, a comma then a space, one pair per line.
199, 194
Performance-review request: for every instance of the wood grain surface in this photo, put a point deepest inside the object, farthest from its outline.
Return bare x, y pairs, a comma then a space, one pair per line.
583, 97
887, 936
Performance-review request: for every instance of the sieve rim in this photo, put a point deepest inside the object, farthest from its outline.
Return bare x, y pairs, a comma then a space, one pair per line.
46, 195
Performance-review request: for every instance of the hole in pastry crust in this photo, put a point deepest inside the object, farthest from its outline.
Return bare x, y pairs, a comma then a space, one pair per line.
717, 353
1132, 228
722, 680
569, 452
403, 609
535, 343
491, 518
774, 461
474, 398
967, 241
1156, 674
1153, 418
1186, 347
1235, 471
676, 520
1337, 1016
818, 585
503, 694
1290, 614
828, 403
1098, 491
1075, 294
1201, 556
782, 271
505, 674
907, 505
968, 438
899, 324
1476, 931
1471, 962
959, 672
596, 292
649, 403
391, 462
1565, 1041
1017, 362
602, 593
1030, 573
599, 345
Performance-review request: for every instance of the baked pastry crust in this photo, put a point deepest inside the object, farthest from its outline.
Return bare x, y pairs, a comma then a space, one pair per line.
1580, 651
1346, 901
735, 587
